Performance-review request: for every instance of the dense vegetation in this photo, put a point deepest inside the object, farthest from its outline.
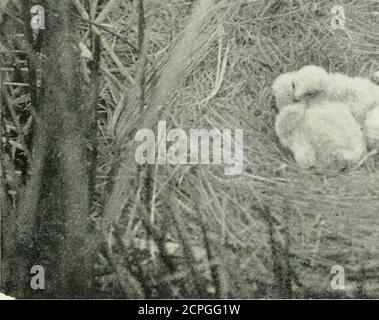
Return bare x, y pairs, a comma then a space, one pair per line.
73, 96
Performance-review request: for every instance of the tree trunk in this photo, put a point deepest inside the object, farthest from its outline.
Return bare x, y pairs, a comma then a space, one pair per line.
52, 228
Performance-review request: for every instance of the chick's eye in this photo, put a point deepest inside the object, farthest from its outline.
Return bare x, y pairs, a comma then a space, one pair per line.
293, 85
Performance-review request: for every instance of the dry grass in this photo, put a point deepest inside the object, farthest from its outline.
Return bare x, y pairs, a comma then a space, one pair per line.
319, 220
273, 231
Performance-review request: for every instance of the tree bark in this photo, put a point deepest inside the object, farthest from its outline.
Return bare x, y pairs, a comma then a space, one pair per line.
53, 228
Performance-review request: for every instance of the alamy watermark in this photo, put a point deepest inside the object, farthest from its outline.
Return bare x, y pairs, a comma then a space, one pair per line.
37, 282
338, 277
339, 18
38, 20
191, 148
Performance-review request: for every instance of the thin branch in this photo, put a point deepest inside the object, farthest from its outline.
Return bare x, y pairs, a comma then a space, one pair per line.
142, 56
95, 83
107, 10
122, 38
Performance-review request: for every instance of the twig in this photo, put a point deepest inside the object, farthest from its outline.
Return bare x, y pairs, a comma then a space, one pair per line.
370, 154
221, 68
124, 39
143, 43
108, 8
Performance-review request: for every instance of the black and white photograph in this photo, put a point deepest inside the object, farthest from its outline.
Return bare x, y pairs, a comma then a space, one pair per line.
218, 150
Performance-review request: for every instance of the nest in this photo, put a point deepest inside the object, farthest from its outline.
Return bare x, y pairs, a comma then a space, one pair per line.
274, 225
305, 222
